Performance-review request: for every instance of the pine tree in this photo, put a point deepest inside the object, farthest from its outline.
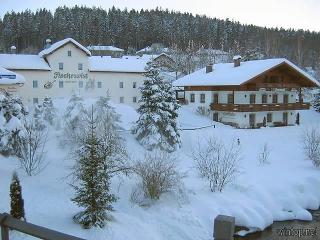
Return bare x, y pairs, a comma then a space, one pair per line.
316, 102
157, 124
93, 181
17, 203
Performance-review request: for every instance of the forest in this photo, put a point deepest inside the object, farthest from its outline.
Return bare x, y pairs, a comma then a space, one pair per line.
133, 30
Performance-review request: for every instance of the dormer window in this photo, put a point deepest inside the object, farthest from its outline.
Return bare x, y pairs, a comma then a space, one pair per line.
69, 53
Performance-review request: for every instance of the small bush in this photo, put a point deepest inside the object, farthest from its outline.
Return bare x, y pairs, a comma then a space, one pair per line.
203, 111
217, 162
311, 145
158, 173
264, 154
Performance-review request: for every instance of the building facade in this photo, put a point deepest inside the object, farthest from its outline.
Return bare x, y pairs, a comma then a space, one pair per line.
66, 67
249, 94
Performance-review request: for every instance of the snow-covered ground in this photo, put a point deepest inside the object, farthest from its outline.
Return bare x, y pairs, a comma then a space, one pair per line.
260, 195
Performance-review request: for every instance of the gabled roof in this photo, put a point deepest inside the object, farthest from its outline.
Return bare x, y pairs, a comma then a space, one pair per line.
8, 77
126, 64
225, 74
60, 44
105, 48
23, 62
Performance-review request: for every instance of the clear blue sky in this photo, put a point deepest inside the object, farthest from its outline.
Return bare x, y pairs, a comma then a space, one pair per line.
296, 14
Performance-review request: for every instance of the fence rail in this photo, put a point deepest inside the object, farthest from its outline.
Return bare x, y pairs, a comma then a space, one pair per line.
7, 223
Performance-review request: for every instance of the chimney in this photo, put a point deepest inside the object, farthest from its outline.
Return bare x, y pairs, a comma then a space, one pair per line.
13, 50
48, 43
209, 68
237, 60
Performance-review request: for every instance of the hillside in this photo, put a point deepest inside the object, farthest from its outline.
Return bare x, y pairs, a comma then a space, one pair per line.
261, 194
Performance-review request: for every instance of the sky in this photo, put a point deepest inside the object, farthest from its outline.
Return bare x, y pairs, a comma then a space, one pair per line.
297, 14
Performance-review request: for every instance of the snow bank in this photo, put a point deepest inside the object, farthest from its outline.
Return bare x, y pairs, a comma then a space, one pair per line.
261, 194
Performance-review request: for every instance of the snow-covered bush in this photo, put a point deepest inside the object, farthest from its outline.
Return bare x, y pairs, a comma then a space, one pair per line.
264, 154
31, 147
159, 174
157, 124
217, 162
17, 203
203, 111
311, 145
12, 114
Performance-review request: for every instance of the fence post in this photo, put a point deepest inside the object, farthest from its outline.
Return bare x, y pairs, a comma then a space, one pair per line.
4, 229
224, 227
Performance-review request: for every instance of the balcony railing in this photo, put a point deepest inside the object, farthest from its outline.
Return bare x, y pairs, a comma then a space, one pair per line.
258, 107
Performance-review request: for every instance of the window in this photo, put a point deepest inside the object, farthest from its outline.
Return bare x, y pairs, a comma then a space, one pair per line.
134, 85
134, 99
99, 84
121, 99
69, 53
121, 84
230, 98
285, 98
35, 83
274, 98
216, 98
80, 66
264, 98
60, 66
60, 84
202, 98
252, 98
80, 84
269, 117
35, 100
192, 97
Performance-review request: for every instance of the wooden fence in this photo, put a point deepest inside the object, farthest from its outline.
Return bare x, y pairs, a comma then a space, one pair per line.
7, 223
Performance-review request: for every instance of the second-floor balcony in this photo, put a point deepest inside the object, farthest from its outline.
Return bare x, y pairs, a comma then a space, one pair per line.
259, 107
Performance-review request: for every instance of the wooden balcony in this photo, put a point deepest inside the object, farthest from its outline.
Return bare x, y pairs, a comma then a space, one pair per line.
259, 107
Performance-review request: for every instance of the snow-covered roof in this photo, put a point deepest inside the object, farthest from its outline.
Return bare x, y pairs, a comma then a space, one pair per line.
132, 64
105, 48
212, 51
237, 57
9, 77
225, 74
23, 62
60, 44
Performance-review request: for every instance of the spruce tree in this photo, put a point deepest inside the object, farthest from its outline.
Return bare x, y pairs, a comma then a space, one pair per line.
17, 203
157, 124
92, 185
316, 102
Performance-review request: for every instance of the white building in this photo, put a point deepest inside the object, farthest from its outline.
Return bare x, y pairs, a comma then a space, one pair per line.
67, 67
247, 94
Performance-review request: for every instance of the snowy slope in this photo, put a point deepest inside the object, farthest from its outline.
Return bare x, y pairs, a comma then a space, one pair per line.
280, 190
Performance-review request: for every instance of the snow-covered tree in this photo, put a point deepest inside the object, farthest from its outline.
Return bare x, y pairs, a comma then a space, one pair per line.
38, 117
316, 102
12, 114
92, 181
17, 203
73, 120
30, 147
49, 111
157, 124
